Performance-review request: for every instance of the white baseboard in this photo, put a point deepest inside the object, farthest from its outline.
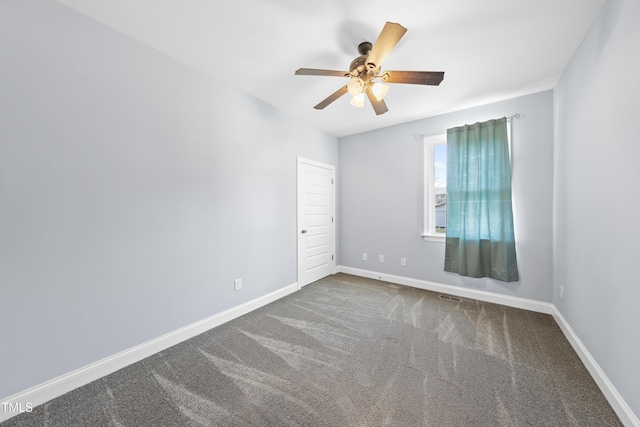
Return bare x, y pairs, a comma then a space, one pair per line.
616, 401
30, 398
517, 302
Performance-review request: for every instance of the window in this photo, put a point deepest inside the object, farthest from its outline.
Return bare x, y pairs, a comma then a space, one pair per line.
435, 185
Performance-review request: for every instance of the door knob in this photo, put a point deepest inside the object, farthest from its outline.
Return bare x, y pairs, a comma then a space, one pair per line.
303, 231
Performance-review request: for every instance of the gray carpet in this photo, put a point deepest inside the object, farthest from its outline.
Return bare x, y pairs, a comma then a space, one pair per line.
348, 351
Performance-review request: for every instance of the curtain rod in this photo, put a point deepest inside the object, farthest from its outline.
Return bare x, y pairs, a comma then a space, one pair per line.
422, 135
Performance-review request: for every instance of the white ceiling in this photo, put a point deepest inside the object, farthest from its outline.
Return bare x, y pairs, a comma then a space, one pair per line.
489, 50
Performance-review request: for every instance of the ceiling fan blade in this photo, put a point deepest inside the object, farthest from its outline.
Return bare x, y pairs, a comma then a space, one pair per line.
413, 77
380, 107
316, 72
387, 40
335, 95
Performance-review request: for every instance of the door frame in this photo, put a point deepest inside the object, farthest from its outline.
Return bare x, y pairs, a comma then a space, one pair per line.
332, 245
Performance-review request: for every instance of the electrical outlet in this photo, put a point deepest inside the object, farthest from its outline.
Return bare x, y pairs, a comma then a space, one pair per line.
381, 258
403, 262
237, 284
561, 292
364, 256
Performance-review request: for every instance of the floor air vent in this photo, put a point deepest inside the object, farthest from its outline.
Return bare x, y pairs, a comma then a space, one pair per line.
450, 297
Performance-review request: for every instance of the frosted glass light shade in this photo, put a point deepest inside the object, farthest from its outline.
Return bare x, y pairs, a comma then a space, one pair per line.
358, 100
379, 90
355, 86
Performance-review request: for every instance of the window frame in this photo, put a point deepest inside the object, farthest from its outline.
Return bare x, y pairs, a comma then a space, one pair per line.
429, 212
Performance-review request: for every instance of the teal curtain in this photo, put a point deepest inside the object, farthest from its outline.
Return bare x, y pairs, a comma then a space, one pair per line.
480, 238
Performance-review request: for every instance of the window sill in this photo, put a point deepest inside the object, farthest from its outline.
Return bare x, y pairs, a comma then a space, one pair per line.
434, 238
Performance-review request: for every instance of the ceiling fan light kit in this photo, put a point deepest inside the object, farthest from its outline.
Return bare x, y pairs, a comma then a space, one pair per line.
366, 68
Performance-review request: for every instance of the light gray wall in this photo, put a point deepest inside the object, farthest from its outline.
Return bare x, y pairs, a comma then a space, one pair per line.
133, 191
381, 186
597, 195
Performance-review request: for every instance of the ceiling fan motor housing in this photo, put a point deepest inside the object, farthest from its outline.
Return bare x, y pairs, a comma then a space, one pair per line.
359, 67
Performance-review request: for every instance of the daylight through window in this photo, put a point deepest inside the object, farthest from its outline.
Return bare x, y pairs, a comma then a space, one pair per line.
435, 181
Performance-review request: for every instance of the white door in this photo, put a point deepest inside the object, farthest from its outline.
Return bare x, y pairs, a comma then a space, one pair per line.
316, 221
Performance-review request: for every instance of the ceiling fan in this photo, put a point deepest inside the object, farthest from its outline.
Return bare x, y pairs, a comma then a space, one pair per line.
366, 68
